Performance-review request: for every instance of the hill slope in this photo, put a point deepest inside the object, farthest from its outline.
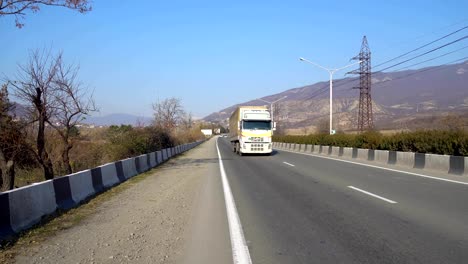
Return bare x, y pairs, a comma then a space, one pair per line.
419, 93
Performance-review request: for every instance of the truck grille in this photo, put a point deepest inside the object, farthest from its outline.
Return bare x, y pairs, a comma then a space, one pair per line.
256, 147
257, 139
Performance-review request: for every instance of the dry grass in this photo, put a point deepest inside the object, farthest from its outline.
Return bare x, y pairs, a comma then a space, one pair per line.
65, 220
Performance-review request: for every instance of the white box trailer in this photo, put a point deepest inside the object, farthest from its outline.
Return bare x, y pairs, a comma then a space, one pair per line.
207, 132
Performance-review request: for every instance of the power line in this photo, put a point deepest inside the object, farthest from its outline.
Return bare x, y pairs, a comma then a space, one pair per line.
425, 70
425, 53
323, 89
435, 31
439, 67
423, 46
448, 53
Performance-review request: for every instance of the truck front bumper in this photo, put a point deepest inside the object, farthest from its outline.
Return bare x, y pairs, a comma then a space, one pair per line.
256, 147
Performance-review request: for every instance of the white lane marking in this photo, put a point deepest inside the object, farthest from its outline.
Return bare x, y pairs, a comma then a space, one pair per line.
383, 168
373, 195
292, 165
240, 251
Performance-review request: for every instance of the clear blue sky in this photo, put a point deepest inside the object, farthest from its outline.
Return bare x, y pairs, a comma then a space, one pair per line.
213, 54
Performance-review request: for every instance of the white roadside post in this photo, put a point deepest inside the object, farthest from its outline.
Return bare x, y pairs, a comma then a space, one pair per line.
331, 72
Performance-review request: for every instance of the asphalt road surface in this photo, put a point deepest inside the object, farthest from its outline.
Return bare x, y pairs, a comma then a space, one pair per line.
283, 208
302, 209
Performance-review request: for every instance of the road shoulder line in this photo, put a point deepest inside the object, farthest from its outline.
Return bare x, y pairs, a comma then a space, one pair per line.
240, 251
378, 167
373, 195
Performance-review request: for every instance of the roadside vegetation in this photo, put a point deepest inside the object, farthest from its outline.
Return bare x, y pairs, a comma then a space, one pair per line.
48, 139
90, 147
453, 142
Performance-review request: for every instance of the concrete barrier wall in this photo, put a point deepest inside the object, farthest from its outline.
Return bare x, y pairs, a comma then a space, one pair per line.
29, 204
347, 152
109, 175
335, 151
437, 162
129, 168
465, 166
23, 207
143, 161
362, 153
457, 165
63, 197
316, 148
405, 159
81, 185
159, 157
152, 158
381, 156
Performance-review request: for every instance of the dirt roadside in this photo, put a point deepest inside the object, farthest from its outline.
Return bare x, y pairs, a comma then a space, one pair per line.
145, 222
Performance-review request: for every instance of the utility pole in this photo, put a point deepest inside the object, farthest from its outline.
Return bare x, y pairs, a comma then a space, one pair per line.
330, 72
365, 115
271, 104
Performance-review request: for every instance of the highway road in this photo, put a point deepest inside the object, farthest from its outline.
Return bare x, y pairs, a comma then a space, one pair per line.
283, 208
296, 208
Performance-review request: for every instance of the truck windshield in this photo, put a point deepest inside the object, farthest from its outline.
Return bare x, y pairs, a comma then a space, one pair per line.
257, 125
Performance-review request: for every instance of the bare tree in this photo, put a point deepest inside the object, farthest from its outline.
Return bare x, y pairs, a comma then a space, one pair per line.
35, 88
168, 113
279, 117
187, 121
6, 163
11, 142
18, 8
323, 126
72, 103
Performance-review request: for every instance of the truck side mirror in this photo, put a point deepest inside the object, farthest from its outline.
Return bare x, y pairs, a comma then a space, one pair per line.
239, 125
274, 126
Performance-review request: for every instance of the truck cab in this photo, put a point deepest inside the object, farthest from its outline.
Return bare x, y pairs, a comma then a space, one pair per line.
251, 130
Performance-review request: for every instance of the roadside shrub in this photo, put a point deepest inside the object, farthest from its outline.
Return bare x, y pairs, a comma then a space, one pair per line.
424, 141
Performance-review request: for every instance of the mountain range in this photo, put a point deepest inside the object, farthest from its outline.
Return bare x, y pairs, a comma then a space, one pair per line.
118, 119
398, 98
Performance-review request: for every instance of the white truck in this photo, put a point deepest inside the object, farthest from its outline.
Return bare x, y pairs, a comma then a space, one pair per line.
250, 130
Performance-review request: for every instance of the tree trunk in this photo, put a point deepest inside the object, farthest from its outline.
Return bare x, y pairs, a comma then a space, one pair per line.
7, 171
43, 156
66, 159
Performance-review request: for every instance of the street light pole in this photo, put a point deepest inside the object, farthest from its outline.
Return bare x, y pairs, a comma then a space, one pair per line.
271, 104
331, 72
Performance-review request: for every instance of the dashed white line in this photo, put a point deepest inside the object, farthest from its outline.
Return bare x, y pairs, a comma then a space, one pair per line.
373, 195
240, 251
287, 163
378, 167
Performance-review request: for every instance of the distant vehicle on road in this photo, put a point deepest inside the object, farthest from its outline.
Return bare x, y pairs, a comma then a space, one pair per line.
207, 132
251, 130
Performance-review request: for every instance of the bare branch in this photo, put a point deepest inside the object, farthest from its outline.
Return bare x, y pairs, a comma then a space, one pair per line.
34, 87
168, 113
72, 103
18, 8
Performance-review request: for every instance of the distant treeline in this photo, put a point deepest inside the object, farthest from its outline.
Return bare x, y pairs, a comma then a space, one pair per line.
427, 141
